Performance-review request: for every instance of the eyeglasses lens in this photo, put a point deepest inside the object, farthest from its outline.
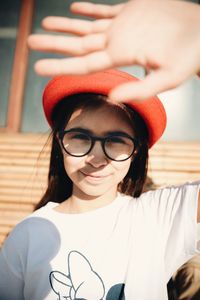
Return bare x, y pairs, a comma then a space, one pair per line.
119, 148
76, 143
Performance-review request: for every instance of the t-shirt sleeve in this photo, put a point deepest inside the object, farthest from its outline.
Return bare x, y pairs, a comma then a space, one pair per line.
12, 265
176, 214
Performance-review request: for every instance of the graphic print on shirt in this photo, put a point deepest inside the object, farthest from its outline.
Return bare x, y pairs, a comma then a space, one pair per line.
82, 282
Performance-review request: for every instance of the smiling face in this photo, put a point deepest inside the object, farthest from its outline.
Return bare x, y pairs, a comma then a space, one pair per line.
95, 175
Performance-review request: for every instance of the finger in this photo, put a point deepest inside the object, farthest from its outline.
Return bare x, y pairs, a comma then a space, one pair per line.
80, 65
75, 26
96, 10
67, 45
153, 84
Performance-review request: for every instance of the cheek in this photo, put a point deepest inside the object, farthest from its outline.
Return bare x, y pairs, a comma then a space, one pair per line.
71, 163
122, 168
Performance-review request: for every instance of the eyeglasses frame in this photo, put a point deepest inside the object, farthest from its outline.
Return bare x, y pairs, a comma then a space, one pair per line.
95, 138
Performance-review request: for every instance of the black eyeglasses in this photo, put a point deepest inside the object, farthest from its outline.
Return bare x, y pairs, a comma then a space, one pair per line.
116, 146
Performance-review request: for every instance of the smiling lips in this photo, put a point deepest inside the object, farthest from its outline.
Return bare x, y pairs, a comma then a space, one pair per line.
94, 177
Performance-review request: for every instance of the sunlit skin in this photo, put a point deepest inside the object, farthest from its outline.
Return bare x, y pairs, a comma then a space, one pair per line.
151, 33
95, 177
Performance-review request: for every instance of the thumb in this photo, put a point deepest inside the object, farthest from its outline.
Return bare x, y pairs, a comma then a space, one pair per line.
154, 83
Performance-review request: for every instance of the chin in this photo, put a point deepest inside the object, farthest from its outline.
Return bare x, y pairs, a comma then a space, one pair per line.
95, 191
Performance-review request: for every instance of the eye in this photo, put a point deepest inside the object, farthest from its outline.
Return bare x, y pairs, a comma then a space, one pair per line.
79, 136
116, 139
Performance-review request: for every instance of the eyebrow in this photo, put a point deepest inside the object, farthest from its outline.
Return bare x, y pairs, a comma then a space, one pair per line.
88, 131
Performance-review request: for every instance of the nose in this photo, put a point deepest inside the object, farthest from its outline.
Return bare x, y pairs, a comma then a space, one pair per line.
96, 157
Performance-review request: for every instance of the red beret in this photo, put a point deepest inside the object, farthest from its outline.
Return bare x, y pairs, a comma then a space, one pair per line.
151, 110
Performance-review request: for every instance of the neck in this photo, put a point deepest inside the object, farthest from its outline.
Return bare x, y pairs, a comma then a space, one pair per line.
80, 202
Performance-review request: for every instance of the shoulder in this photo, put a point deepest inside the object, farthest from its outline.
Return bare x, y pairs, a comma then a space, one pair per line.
170, 191
168, 199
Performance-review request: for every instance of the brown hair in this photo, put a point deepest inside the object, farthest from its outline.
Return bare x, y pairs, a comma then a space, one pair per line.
59, 184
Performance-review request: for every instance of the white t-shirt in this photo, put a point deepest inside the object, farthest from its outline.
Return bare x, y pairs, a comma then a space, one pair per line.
126, 250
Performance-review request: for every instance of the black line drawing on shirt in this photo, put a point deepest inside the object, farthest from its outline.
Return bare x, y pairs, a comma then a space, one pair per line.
82, 282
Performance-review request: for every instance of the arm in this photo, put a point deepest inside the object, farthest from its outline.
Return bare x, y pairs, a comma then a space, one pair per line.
11, 283
165, 39
13, 255
198, 212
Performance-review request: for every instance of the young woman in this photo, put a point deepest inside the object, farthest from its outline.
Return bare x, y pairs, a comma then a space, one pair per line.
95, 235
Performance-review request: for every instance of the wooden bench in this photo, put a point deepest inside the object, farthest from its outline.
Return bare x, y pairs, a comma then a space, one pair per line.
174, 163
23, 173
24, 166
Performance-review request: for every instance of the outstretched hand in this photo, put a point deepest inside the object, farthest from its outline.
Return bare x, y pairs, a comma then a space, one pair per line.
161, 36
